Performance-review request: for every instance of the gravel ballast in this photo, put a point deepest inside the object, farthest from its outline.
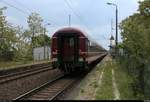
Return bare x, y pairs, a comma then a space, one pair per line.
13, 89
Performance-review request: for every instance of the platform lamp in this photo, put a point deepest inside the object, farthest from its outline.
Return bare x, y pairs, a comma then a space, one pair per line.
116, 24
47, 24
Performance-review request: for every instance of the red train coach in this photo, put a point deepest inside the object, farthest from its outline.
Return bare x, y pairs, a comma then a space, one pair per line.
69, 50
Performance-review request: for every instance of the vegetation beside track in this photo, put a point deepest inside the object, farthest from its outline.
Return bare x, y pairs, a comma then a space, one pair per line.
99, 83
17, 43
105, 89
14, 64
122, 79
135, 32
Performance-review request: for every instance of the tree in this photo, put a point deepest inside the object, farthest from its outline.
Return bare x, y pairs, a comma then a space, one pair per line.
35, 24
135, 31
41, 40
144, 8
16, 42
8, 38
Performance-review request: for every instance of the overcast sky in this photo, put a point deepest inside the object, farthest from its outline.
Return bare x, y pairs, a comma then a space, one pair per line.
91, 16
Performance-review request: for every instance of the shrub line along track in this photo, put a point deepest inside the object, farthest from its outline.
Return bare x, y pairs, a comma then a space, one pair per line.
49, 90
18, 75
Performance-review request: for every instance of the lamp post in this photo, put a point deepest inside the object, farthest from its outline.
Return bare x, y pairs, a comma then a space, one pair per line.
116, 23
69, 20
45, 37
33, 34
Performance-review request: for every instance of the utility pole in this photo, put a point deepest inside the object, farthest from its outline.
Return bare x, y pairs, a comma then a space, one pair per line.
45, 39
69, 20
33, 42
116, 26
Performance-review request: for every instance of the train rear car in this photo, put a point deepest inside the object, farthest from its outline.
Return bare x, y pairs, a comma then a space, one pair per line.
69, 47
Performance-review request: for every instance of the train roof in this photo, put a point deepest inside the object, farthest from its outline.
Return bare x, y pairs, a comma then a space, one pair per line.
76, 30
68, 30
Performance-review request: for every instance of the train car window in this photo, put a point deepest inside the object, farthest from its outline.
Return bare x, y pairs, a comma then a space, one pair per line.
71, 42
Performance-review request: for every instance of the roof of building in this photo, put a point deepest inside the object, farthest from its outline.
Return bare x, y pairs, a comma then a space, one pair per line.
112, 37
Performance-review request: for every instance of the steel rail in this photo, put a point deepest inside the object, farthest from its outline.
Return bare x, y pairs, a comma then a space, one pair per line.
23, 74
38, 88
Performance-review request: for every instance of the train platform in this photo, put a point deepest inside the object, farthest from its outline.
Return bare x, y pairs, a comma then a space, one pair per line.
94, 58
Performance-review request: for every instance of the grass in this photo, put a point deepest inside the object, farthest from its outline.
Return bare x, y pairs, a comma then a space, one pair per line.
95, 84
123, 81
12, 64
105, 90
82, 90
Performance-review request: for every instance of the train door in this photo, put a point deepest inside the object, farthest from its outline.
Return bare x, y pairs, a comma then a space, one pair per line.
68, 44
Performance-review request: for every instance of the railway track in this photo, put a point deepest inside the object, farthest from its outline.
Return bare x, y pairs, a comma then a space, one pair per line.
17, 75
50, 90
15, 84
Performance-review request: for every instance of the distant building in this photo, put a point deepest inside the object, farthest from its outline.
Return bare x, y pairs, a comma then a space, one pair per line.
112, 45
38, 53
112, 41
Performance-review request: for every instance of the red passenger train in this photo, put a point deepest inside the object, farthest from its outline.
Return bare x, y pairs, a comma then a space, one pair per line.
72, 50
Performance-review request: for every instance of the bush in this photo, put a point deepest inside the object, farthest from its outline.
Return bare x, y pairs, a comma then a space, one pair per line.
7, 55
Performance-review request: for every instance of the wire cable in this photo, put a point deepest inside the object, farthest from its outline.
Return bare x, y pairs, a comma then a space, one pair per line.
75, 13
22, 11
19, 3
82, 20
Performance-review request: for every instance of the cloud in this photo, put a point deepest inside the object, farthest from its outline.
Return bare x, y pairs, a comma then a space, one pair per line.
95, 14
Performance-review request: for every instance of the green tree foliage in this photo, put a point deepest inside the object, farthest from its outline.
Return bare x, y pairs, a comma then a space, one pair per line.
35, 25
42, 40
16, 42
144, 8
135, 31
8, 38
23, 45
35, 33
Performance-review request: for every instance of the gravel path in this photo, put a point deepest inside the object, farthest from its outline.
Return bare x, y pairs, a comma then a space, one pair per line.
99, 81
116, 93
115, 88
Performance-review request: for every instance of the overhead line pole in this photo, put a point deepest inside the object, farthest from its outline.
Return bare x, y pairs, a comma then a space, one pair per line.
45, 39
69, 20
33, 42
116, 41
76, 14
116, 25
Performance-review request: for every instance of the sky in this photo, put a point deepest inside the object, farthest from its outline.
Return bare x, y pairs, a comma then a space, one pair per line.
91, 16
